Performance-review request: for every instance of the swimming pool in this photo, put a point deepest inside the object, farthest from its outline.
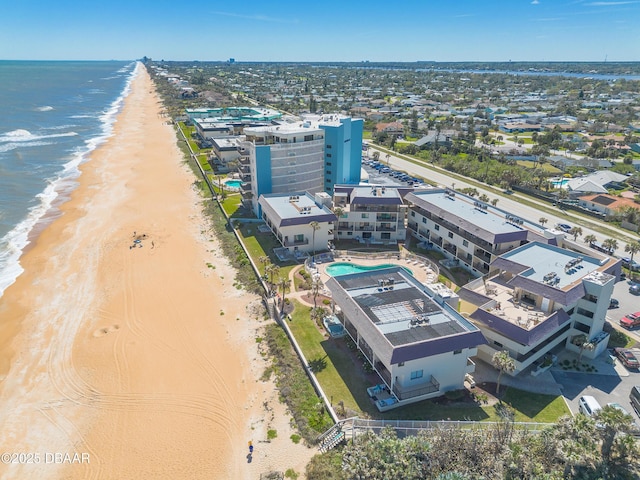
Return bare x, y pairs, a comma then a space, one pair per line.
343, 268
233, 183
559, 183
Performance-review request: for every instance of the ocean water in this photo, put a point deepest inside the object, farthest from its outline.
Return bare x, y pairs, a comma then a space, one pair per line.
54, 114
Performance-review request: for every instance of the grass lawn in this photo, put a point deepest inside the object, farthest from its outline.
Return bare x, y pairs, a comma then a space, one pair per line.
259, 244
525, 140
547, 167
231, 204
343, 378
329, 366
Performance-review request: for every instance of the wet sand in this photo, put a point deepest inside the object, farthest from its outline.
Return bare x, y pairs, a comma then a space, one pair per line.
126, 348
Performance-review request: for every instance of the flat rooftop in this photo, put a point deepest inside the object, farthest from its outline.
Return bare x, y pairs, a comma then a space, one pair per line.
295, 209
486, 216
551, 265
399, 309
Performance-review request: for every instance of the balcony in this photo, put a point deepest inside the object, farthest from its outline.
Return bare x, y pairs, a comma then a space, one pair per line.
386, 228
451, 248
480, 267
295, 243
482, 254
366, 228
385, 217
404, 393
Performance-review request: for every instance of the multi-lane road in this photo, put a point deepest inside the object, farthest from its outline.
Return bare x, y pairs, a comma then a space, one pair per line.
513, 203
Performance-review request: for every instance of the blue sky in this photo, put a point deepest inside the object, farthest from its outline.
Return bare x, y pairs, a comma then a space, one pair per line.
328, 30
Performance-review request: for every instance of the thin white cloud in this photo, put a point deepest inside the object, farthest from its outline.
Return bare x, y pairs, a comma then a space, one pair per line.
258, 17
535, 2
609, 4
464, 15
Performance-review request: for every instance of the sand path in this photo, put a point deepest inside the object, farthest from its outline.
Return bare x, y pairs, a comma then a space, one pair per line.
142, 360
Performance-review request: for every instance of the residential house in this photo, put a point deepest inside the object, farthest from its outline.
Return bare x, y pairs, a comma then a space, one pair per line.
609, 205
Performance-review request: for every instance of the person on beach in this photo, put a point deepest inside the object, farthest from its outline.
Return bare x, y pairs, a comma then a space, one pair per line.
250, 446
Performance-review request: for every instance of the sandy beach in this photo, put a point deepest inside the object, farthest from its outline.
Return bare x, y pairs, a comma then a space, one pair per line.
123, 355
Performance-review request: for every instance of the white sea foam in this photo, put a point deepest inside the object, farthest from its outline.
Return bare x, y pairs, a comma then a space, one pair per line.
46, 108
24, 138
13, 243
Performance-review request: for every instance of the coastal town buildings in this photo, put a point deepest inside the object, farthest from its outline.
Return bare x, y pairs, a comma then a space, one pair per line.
469, 232
310, 155
540, 297
417, 343
371, 214
302, 223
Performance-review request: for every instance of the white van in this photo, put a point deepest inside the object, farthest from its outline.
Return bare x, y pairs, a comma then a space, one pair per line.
588, 405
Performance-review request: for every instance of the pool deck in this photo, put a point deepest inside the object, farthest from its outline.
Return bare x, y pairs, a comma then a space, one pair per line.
421, 271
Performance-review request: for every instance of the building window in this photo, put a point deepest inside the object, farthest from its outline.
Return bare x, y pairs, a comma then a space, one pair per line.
298, 238
457, 352
401, 364
424, 220
308, 138
497, 344
417, 374
413, 214
465, 243
437, 227
328, 146
365, 215
450, 234
349, 233
385, 236
328, 164
328, 172
328, 155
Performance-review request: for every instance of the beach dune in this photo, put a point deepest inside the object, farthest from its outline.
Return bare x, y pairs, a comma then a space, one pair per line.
119, 344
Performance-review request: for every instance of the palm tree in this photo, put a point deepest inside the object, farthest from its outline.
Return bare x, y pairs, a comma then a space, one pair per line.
542, 221
315, 226
611, 244
576, 232
272, 270
316, 283
611, 422
504, 363
632, 248
264, 260
494, 202
583, 342
285, 285
589, 239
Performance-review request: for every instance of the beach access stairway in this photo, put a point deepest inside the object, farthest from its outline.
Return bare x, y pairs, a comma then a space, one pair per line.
332, 437
349, 428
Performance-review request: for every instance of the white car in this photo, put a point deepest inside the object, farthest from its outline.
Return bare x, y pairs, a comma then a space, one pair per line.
469, 379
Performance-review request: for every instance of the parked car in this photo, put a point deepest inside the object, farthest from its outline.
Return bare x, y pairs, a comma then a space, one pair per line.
614, 303
628, 263
627, 357
565, 227
635, 289
631, 320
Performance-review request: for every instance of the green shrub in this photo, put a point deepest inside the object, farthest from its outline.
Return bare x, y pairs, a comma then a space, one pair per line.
271, 434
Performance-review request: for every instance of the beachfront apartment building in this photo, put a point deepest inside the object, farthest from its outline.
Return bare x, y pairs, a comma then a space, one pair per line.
310, 155
418, 344
470, 233
371, 214
540, 297
292, 217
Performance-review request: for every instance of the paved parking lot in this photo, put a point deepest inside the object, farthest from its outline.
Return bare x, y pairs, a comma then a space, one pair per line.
607, 386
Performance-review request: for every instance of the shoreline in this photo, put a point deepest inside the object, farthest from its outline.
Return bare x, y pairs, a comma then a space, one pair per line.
145, 359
